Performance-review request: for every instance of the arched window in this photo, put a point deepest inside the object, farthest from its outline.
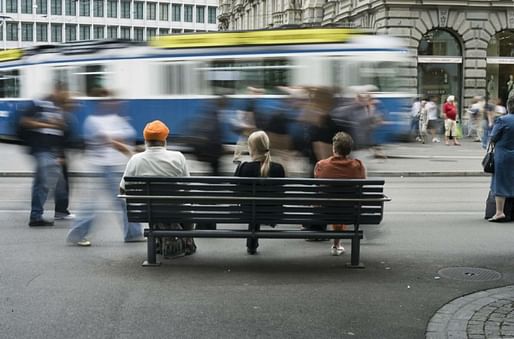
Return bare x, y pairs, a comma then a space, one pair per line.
439, 42
440, 65
501, 45
500, 66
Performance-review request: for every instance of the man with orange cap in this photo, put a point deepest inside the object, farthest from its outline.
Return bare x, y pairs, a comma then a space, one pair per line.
156, 160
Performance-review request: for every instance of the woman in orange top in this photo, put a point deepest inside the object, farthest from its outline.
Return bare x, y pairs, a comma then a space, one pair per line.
340, 166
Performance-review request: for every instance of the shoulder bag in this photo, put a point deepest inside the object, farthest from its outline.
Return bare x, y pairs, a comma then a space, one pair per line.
488, 161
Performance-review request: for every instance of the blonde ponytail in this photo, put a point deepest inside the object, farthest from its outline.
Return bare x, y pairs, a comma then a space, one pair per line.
258, 144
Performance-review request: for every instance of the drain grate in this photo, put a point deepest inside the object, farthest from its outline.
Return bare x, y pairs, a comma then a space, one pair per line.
469, 274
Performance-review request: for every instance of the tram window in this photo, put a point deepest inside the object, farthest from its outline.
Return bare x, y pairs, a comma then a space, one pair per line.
235, 76
10, 84
183, 78
82, 80
383, 74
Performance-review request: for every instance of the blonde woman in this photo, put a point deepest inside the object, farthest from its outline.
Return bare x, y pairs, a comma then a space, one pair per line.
260, 166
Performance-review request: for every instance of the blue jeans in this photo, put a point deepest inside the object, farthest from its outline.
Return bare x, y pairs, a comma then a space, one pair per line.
111, 177
47, 177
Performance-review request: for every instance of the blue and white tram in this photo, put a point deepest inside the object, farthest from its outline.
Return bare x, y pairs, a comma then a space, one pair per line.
174, 79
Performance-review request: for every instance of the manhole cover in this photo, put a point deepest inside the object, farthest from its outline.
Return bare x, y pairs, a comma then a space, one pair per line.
469, 274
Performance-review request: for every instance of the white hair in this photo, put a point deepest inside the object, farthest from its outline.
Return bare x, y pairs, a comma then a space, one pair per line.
450, 98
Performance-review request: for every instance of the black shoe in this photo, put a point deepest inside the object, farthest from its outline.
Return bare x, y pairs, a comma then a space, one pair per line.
251, 250
41, 222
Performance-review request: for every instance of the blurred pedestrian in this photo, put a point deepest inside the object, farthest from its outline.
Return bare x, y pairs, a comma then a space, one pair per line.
156, 160
415, 115
340, 166
502, 182
245, 122
432, 118
46, 126
450, 121
423, 122
260, 166
475, 113
488, 117
108, 138
207, 140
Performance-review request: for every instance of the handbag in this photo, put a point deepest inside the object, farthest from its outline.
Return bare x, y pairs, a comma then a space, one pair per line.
488, 161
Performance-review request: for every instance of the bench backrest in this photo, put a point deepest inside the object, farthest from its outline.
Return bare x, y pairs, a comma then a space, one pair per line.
254, 200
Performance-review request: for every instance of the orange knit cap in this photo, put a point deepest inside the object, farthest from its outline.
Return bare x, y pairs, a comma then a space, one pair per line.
156, 130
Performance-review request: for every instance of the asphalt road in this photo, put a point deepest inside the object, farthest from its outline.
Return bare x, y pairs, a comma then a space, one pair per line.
291, 289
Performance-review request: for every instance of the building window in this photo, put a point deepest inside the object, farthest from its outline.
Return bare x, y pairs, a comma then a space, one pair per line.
139, 33
42, 6
41, 32
26, 6
138, 9
125, 9
98, 32
211, 15
188, 13
125, 33
56, 7
163, 31
71, 32
12, 31
11, 6
200, 14
112, 32
176, 31
98, 8
56, 31
150, 33
71, 7
112, 8
26, 31
151, 10
176, 12
164, 12
85, 8
85, 32
500, 66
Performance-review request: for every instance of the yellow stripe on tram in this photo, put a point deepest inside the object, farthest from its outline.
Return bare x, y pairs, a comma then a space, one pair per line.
11, 54
252, 38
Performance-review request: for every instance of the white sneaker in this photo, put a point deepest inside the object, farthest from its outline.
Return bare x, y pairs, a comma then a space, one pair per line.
436, 140
70, 216
337, 250
83, 243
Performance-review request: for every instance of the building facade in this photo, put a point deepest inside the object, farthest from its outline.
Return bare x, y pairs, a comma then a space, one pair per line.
463, 48
28, 22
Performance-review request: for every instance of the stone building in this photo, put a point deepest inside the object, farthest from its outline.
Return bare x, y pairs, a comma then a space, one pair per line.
464, 48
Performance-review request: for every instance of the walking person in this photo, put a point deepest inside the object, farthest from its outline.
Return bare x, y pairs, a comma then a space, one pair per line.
46, 123
340, 166
156, 160
450, 121
432, 119
260, 166
502, 182
108, 136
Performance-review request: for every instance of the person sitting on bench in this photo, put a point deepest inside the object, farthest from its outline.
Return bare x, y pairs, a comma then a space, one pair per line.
156, 160
340, 166
261, 166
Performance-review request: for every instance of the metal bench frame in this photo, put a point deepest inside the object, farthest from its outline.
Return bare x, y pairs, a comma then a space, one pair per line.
252, 201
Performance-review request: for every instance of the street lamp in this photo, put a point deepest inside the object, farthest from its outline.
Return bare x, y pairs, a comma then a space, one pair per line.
3, 18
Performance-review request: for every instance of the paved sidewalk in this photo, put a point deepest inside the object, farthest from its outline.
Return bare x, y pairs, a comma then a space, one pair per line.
403, 159
485, 314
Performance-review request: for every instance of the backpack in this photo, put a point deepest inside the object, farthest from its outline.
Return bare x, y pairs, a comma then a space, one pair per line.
23, 134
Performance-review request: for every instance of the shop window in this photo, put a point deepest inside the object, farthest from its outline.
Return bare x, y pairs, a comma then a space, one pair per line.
500, 67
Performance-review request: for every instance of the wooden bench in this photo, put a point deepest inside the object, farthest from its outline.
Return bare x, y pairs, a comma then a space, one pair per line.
253, 201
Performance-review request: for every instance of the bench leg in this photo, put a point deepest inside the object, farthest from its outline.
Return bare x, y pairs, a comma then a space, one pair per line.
355, 256
151, 252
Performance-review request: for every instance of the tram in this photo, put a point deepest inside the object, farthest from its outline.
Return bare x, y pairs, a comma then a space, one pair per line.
174, 78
